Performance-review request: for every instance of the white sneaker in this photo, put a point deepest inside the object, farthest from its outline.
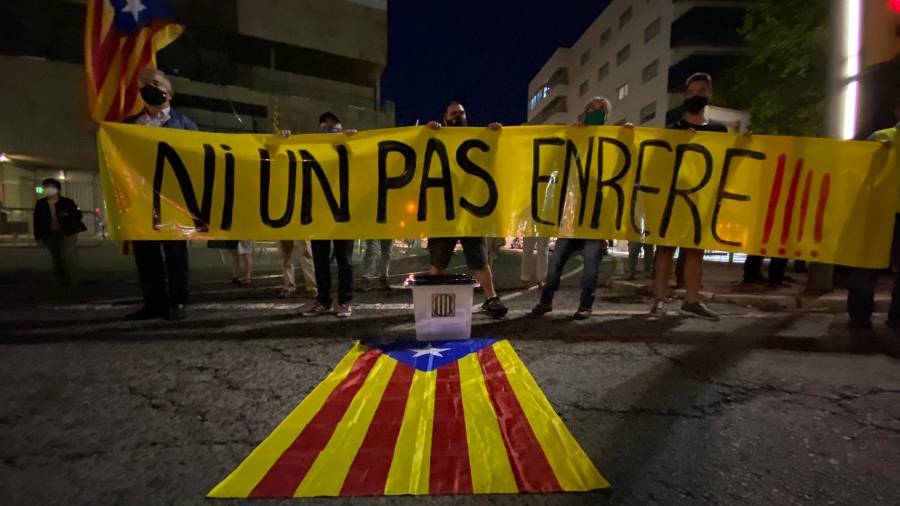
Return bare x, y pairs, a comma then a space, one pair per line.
344, 311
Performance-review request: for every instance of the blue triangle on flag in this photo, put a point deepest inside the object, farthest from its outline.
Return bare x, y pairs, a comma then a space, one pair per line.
429, 355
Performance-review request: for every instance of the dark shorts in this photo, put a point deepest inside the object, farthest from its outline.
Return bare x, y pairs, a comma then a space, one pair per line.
474, 248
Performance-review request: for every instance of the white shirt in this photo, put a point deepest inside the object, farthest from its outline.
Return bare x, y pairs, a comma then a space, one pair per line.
162, 119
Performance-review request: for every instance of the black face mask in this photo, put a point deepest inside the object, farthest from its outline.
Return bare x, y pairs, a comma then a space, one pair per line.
695, 104
457, 121
153, 96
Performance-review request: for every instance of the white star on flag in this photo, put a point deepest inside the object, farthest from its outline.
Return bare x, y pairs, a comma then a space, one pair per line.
430, 350
134, 7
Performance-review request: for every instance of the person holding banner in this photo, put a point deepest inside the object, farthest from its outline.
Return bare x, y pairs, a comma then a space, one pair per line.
322, 251
475, 249
861, 295
592, 250
162, 266
697, 92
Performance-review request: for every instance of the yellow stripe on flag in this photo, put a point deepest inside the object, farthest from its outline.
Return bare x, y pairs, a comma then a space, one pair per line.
244, 479
573, 469
411, 468
109, 13
327, 474
488, 458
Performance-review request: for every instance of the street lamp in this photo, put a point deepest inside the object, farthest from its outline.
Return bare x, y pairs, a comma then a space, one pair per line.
852, 42
4, 158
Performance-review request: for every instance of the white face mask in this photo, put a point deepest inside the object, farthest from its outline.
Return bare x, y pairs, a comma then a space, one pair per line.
51, 191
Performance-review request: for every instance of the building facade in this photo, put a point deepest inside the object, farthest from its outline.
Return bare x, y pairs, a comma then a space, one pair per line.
638, 53
236, 64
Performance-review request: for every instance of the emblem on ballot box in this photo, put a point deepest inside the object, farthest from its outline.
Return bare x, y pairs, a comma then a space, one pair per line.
443, 305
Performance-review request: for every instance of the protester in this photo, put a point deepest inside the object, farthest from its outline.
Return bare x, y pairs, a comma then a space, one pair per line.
697, 92
592, 250
753, 271
634, 252
377, 271
162, 266
322, 252
304, 252
441, 249
861, 296
57, 223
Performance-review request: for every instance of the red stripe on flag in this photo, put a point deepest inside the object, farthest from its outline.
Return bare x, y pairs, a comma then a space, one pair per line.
529, 463
291, 467
369, 472
450, 471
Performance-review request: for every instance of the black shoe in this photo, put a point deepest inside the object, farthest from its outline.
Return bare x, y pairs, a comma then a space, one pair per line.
145, 313
698, 310
583, 313
860, 324
177, 312
541, 309
495, 308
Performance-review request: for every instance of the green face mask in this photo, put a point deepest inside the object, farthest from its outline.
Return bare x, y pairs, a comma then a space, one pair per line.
597, 117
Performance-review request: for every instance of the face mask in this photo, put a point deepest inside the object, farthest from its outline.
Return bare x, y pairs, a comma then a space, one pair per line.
695, 104
597, 117
153, 96
51, 191
457, 121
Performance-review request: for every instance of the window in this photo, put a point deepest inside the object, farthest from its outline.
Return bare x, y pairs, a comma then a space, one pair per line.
541, 94
623, 55
650, 71
603, 72
583, 88
585, 56
652, 30
622, 92
605, 36
648, 112
625, 17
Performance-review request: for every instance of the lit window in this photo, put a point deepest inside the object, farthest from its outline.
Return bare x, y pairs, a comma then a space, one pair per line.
623, 55
650, 71
625, 17
583, 88
585, 56
603, 72
622, 92
652, 30
648, 112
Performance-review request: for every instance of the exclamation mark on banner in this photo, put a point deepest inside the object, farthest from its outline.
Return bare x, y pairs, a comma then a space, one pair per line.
789, 207
820, 211
804, 207
774, 196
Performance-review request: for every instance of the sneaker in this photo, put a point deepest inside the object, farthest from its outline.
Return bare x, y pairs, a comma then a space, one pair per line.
658, 308
698, 310
583, 313
541, 309
344, 311
494, 308
317, 309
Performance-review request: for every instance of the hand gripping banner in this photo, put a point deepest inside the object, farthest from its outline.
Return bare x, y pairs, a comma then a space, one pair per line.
816, 199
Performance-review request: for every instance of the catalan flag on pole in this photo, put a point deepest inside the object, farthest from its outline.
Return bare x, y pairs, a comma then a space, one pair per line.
121, 38
419, 418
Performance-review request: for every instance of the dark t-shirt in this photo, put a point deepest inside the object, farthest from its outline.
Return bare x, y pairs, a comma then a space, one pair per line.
711, 126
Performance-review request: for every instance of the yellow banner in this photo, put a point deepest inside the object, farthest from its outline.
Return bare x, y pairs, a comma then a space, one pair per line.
817, 199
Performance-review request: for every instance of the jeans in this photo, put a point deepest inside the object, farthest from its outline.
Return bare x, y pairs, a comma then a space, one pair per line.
343, 251
634, 250
163, 282
382, 249
592, 253
65, 260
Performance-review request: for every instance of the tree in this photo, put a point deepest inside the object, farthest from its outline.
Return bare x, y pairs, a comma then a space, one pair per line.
781, 75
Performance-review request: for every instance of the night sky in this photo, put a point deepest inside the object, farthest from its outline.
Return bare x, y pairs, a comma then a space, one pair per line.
481, 52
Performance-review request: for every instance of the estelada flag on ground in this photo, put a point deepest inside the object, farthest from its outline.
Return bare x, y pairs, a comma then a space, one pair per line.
121, 38
419, 418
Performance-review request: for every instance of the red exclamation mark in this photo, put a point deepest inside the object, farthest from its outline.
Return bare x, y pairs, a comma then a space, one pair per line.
804, 207
789, 207
820, 211
774, 195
